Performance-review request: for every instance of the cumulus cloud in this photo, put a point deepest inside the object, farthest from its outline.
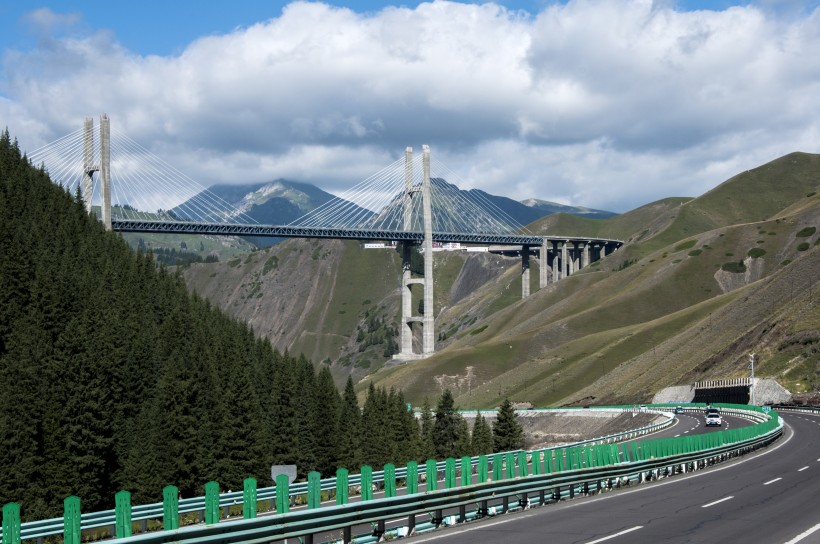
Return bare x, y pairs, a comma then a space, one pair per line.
599, 103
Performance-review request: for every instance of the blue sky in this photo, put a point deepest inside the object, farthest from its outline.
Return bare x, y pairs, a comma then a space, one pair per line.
602, 103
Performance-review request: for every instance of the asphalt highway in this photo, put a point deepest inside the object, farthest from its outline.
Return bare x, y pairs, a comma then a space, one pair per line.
770, 496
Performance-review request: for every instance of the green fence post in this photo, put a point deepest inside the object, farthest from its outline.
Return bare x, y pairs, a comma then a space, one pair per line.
389, 480
483, 468
71, 520
282, 494
548, 462
122, 514
510, 463
170, 508
314, 490
249, 498
559, 459
431, 473
466, 470
342, 486
211, 503
536, 463
522, 464
11, 523
367, 483
498, 467
412, 478
449, 473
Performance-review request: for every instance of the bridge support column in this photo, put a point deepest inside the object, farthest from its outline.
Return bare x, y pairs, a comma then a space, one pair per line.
585, 256
564, 260
525, 272
556, 260
429, 334
542, 265
406, 339
105, 169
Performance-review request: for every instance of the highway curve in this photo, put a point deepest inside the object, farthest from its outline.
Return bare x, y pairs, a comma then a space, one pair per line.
768, 497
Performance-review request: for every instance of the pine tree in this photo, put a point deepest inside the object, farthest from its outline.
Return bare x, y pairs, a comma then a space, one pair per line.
350, 416
482, 436
427, 449
326, 412
445, 429
507, 432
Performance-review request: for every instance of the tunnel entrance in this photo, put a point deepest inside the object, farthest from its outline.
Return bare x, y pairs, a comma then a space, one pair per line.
737, 394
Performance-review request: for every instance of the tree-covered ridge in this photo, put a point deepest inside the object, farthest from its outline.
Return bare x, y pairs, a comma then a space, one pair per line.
113, 376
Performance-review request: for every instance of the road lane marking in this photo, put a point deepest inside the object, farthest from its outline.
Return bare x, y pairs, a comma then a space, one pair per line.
718, 501
677, 435
804, 534
802, 469
625, 531
773, 481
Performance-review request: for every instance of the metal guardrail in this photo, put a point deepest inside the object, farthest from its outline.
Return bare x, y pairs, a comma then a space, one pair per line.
797, 408
107, 518
305, 523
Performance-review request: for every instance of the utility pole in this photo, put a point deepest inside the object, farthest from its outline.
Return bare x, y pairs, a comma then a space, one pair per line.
752, 388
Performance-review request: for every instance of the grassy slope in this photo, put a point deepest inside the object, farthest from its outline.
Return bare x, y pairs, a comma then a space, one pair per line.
614, 327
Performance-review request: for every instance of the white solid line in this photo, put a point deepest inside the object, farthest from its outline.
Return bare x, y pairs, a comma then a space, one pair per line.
802, 469
617, 534
718, 501
804, 534
773, 481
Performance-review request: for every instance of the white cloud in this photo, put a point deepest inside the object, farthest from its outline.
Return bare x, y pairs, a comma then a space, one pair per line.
598, 103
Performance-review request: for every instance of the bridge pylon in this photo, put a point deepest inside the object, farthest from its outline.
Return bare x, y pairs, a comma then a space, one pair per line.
427, 320
103, 167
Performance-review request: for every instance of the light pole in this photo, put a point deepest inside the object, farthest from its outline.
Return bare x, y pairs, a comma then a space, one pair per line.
752, 388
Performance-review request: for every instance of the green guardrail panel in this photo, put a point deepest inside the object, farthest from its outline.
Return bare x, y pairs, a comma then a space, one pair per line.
122, 512
72, 533
449, 473
282, 494
466, 470
170, 508
211, 503
509, 461
431, 475
367, 482
11, 523
249, 498
522, 464
314, 490
412, 478
483, 469
342, 486
498, 467
390, 480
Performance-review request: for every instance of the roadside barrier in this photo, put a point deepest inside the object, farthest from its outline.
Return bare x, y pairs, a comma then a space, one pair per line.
548, 469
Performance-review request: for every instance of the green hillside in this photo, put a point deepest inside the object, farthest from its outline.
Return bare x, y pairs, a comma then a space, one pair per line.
607, 333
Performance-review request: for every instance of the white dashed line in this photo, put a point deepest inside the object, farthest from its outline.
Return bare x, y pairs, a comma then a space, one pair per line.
677, 435
772, 481
804, 534
802, 469
617, 534
718, 501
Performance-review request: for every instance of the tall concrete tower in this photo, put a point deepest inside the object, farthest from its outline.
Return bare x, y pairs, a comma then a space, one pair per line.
406, 333
105, 169
88, 162
429, 338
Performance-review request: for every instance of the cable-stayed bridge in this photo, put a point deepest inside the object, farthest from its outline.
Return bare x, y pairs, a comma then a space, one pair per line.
409, 201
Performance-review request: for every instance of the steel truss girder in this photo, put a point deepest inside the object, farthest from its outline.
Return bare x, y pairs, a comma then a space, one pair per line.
275, 231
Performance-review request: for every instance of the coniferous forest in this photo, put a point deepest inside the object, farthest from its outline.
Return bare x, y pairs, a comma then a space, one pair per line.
113, 376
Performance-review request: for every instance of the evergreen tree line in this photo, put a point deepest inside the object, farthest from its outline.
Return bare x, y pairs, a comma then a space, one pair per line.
113, 376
